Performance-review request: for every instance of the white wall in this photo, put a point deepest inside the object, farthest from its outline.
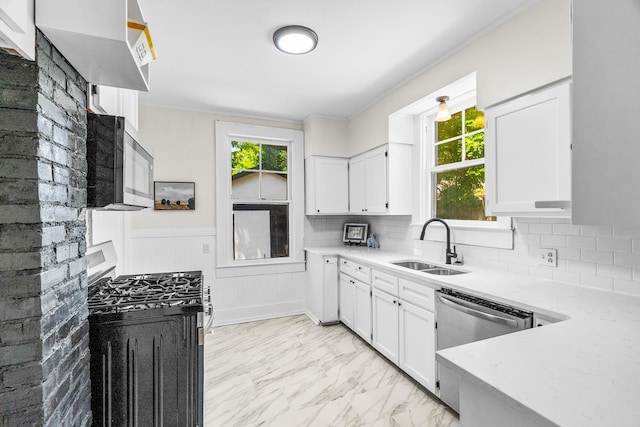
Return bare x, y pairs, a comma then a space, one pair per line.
325, 137
528, 51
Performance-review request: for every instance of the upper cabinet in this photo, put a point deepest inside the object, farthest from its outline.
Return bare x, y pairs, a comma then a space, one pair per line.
606, 102
114, 101
106, 41
17, 28
380, 181
528, 154
327, 191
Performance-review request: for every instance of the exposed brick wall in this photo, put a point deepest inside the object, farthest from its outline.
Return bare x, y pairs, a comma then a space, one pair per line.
44, 351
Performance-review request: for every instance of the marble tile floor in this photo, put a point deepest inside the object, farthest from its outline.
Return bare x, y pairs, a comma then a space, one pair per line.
289, 372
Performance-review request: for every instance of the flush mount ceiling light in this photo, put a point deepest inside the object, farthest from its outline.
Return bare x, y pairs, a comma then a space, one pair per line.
443, 110
295, 39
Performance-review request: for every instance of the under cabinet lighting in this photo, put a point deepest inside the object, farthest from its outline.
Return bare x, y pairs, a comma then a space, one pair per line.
295, 39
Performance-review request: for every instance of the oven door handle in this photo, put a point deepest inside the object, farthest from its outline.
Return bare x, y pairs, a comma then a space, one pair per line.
477, 313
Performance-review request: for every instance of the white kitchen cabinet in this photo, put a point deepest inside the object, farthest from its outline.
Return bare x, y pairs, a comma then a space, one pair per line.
322, 288
355, 306
385, 325
326, 181
347, 301
528, 154
606, 100
417, 343
114, 101
95, 38
404, 325
17, 27
362, 315
355, 297
380, 181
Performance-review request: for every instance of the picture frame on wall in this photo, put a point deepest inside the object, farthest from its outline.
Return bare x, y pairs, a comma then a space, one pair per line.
174, 196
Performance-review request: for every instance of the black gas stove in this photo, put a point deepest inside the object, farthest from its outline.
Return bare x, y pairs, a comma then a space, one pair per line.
146, 338
135, 292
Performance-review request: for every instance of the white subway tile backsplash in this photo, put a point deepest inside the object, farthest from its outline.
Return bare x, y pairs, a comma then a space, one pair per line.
592, 255
630, 259
604, 283
566, 229
541, 228
626, 287
615, 271
581, 267
602, 257
613, 244
581, 242
553, 241
596, 231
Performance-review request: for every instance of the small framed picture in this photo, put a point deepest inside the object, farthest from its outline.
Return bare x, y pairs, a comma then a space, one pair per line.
355, 233
174, 196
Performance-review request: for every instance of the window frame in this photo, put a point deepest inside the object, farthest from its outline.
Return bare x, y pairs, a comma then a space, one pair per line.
429, 169
226, 265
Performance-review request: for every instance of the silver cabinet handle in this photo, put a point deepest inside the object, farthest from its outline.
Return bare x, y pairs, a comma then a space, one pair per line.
477, 313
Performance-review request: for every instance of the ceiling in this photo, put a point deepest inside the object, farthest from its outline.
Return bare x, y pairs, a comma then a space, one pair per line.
218, 55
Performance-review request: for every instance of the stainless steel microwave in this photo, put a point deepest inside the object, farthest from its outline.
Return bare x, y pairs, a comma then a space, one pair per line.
119, 168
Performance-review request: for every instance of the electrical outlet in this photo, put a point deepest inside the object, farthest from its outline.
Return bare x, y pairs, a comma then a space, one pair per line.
206, 248
548, 257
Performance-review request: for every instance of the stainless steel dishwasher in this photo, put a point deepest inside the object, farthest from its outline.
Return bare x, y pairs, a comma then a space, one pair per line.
464, 318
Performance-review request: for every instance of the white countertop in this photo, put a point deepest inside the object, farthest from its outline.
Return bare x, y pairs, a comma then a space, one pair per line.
583, 371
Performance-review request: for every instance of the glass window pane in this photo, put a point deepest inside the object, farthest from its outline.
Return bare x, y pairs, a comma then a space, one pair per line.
449, 152
260, 231
245, 185
274, 158
273, 186
451, 128
244, 156
473, 120
460, 194
474, 146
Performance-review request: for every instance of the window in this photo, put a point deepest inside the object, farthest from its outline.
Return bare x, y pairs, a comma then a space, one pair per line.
455, 164
259, 196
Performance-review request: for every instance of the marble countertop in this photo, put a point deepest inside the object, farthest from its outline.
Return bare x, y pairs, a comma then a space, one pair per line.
582, 371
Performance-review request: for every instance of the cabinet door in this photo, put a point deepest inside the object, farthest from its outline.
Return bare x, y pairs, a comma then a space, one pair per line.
528, 154
417, 344
376, 181
104, 100
606, 37
17, 27
328, 188
129, 103
385, 324
347, 300
362, 315
357, 184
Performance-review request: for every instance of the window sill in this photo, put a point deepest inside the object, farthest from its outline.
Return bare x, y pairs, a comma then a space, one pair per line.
496, 236
260, 268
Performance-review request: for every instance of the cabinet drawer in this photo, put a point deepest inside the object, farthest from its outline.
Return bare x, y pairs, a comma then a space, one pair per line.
416, 294
385, 282
355, 270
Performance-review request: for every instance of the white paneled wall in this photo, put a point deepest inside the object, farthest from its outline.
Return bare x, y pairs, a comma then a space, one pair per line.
236, 299
606, 257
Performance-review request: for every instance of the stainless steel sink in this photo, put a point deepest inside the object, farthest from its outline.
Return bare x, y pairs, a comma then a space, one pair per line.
427, 268
443, 271
414, 265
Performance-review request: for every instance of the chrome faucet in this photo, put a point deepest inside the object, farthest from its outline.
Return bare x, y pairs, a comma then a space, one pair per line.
448, 253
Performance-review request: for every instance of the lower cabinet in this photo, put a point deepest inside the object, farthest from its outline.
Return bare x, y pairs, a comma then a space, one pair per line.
417, 344
355, 306
404, 332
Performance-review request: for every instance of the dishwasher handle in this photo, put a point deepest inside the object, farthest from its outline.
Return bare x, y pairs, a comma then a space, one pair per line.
477, 313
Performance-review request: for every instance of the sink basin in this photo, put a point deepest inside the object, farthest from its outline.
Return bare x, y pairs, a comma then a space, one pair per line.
414, 265
427, 268
443, 271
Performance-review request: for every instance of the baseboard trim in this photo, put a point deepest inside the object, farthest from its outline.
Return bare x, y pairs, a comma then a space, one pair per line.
251, 314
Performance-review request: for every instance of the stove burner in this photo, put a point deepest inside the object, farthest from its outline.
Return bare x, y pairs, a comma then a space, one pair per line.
145, 291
